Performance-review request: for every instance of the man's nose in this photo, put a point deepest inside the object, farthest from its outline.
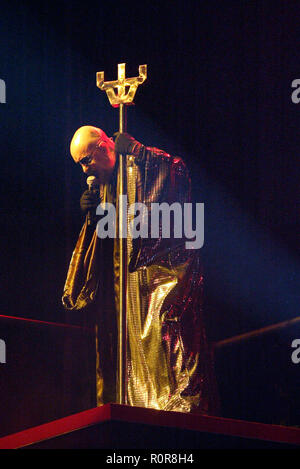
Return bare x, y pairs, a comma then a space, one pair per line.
85, 169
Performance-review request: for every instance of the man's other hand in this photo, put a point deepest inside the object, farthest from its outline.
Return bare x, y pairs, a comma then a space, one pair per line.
124, 143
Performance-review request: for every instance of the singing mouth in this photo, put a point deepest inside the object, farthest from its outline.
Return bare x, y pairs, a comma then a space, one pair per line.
91, 173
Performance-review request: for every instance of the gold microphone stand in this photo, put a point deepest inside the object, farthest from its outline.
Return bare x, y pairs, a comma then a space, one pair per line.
124, 95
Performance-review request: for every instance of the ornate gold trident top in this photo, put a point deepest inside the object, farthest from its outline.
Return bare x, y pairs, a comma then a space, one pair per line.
122, 84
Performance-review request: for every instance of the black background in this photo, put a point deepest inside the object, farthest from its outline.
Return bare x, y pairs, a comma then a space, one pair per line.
218, 93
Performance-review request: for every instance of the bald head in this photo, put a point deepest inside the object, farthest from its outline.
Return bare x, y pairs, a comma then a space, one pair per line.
94, 150
85, 140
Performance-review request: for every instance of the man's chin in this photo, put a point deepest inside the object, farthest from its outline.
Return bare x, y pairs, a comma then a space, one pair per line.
92, 173
102, 176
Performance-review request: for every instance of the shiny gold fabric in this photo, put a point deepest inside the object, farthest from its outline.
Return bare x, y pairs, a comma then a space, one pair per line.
82, 279
149, 382
169, 363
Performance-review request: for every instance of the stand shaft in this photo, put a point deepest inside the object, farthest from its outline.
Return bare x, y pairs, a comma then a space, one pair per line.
122, 339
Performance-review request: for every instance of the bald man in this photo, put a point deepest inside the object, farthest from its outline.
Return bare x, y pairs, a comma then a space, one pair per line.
169, 361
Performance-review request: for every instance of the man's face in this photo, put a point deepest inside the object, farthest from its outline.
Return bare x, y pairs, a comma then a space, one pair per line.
94, 151
98, 162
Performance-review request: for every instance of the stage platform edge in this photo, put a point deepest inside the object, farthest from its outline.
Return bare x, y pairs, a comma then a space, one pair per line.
123, 426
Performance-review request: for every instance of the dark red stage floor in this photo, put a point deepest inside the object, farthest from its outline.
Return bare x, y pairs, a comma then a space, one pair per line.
120, 426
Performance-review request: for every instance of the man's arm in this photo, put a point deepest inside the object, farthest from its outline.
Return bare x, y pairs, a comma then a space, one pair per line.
128, 145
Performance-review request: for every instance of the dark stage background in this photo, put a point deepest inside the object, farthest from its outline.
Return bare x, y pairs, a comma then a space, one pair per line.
218, 94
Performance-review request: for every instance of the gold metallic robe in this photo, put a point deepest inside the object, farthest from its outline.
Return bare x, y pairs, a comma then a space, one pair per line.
169, 362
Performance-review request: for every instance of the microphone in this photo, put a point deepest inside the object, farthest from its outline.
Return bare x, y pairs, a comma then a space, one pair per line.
93, 184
